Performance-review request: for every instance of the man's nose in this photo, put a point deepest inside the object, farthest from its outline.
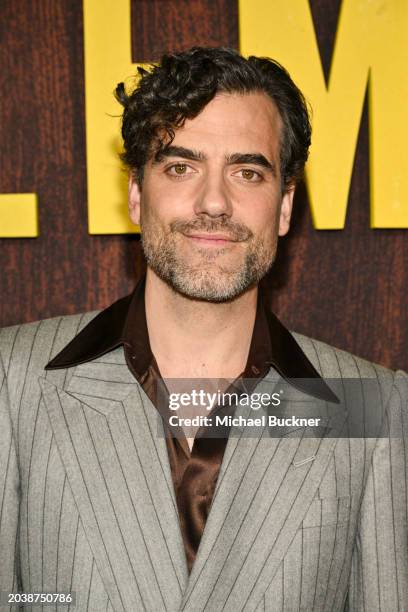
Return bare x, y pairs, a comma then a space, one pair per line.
213, 198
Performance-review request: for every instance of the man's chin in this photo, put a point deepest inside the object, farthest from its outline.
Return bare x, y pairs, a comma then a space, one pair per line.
216, 291
208, 279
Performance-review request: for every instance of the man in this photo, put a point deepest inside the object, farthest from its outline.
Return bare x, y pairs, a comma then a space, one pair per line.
105, 498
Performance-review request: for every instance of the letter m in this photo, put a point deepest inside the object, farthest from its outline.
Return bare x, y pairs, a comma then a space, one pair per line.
371, 48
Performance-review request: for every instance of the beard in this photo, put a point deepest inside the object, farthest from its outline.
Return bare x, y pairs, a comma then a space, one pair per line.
207, 274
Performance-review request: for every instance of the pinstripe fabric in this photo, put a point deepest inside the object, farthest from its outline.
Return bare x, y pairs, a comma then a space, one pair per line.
87, 501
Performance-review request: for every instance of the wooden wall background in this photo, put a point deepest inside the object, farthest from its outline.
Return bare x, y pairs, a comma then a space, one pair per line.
347, 287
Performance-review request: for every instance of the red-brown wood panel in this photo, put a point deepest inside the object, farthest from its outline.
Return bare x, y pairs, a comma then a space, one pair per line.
344, 287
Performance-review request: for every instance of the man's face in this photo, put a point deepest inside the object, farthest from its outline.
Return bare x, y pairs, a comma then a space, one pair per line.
211, 208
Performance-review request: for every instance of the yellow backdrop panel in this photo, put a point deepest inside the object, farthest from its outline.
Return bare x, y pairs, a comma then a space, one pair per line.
371, 46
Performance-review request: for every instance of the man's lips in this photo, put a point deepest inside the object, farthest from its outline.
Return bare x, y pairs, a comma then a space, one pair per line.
205, 238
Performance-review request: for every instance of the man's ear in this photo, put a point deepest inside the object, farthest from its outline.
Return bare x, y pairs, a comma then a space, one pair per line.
134, 200
286, 210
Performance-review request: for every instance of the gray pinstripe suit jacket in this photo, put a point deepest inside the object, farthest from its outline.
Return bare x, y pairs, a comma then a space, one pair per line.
87, 501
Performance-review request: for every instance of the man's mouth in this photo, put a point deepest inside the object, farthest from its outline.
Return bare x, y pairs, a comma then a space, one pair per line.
211, 239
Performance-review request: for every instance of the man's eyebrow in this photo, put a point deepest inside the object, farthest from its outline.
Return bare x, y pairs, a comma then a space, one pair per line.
175, 151
251, 158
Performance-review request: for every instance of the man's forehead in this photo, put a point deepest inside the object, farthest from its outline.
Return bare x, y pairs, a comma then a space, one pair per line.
233, 110
234, 121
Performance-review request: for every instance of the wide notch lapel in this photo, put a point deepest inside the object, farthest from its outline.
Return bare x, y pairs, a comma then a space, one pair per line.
118, 470
265, 487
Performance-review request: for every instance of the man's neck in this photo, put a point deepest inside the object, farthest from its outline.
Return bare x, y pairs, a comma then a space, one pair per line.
197, 339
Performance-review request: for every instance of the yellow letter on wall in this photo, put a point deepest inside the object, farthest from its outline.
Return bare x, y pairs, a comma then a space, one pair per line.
371, 43
107, 34
18, 215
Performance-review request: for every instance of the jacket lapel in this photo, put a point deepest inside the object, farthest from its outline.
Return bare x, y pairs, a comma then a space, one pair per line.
265, 487
117, 465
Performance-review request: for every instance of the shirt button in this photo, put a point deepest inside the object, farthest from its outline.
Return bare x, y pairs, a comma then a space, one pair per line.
255, 370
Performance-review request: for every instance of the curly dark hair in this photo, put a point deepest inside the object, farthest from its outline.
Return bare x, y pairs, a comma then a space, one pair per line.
184, 83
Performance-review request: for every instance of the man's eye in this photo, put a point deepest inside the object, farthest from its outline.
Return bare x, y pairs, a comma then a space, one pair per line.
250, 175
178, 169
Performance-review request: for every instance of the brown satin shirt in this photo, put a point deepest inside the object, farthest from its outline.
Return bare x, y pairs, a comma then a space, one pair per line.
194, 473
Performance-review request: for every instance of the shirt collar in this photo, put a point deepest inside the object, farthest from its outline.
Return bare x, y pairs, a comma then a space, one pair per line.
124, 324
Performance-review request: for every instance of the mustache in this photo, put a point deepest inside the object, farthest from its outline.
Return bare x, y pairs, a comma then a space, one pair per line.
235, 231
